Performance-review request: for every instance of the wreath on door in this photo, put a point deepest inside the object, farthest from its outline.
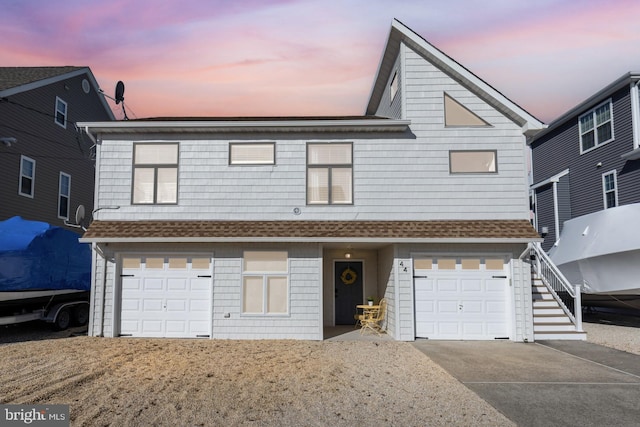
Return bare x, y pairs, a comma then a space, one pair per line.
348, 276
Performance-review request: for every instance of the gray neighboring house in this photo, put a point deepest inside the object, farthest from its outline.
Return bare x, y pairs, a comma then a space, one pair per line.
587, 159
46, 165
276, 227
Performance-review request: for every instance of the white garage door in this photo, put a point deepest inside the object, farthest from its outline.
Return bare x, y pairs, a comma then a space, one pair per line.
166, 296
461, 298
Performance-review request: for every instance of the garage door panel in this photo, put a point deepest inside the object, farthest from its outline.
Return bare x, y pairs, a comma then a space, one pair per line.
471, 285
153, 284
151, 326
176, 285
471, 308
200, 284
495, 285
447, 285
177, 305
447, 307
131, 283
149, 304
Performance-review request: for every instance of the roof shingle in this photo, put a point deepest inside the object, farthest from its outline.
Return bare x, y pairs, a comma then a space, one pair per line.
312, 231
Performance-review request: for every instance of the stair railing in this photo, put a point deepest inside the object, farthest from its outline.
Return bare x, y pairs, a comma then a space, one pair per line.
567, 295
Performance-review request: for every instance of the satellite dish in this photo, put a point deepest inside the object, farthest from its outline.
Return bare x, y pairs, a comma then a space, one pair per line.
119, 92
79, 214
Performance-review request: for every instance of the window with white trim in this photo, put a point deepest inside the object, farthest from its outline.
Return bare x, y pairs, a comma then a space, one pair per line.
473, 161
265, 282
329, 174
596, 127
61, 113
27, 176
610, 189
155, 174
252, 153
64, 195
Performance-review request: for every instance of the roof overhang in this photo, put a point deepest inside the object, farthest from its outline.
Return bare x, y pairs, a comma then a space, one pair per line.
378, 232
250, 125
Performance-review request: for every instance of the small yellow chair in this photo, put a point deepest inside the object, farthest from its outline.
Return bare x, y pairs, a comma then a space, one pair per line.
374, 321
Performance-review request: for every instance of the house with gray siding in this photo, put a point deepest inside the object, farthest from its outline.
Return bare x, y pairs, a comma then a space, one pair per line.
277, 227
46, 163
587, 160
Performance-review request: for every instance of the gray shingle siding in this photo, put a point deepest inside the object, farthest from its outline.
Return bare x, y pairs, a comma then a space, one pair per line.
29, 117
560, 149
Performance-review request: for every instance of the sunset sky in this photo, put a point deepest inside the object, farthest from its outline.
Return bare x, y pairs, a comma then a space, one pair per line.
318, 57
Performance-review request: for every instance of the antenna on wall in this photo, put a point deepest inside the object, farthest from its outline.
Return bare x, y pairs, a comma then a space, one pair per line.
120, 97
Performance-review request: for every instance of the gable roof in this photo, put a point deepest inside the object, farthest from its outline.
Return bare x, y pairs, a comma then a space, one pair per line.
15, 80
454, 231
632, 77
14, 77
401, 34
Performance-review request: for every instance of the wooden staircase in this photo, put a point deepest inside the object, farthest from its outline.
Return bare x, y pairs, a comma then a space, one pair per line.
550, 322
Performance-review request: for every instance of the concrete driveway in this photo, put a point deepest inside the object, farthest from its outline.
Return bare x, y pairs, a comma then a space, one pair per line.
552, 383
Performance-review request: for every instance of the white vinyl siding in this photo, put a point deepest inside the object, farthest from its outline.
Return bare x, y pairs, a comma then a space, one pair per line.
596, 127
155, 174
64, 195
60, 116
252, 153
27, 176
610, 189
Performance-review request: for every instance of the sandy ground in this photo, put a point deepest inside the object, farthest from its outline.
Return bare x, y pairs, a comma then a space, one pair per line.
143, 382
619, 332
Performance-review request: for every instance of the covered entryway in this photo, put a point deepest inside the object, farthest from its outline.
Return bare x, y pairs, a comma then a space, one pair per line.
461, 298
166, 296
348, 280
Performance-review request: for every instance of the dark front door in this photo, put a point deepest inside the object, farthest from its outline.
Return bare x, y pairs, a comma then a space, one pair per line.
348, 285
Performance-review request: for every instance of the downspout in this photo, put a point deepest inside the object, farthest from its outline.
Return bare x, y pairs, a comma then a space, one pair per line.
635, 113
556, 215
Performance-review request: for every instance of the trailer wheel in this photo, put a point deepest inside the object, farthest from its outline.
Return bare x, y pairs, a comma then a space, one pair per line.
81, 315
63, 320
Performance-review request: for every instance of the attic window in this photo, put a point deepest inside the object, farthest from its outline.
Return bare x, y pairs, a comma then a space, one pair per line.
61, 113
457, 115
393, 87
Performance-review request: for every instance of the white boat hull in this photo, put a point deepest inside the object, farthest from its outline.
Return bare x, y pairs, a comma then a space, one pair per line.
601, 251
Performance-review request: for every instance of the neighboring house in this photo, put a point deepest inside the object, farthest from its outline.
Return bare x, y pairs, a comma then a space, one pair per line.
251, 228
587, 159
46, 164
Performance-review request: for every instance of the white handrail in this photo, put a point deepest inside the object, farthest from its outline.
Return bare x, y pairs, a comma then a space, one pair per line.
554, 280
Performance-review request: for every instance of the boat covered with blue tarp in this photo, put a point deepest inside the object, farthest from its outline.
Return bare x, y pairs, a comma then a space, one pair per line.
36, 255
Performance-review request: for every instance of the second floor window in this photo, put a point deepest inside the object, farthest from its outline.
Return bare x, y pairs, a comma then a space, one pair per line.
61, 113
329, 174
27, 176
596, 127
610, 189
64, 195
155, 174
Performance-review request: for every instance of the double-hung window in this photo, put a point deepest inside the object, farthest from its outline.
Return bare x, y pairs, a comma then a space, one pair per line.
265, 283
64, 195
329, 174
27, 176
155, 173
596, 127
610, 189
61, 113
